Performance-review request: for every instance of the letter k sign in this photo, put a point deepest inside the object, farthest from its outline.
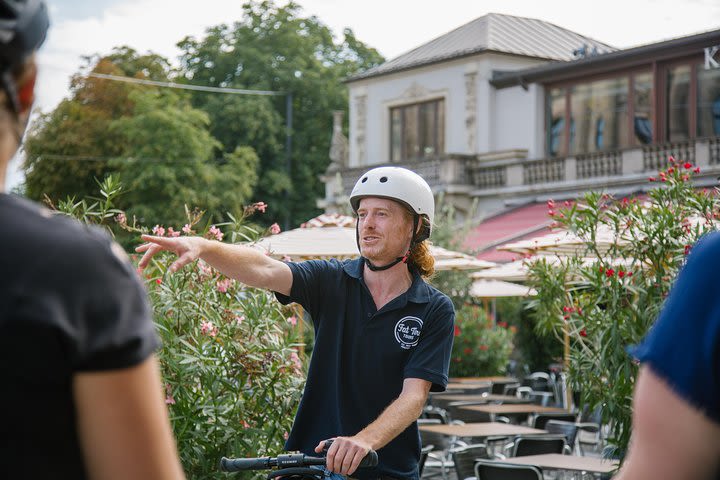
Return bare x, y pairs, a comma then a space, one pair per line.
710, 57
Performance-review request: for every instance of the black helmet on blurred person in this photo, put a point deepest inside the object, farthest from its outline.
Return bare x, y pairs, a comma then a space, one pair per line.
23, 27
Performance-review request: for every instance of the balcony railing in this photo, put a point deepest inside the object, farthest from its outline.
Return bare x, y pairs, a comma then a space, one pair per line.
510, 172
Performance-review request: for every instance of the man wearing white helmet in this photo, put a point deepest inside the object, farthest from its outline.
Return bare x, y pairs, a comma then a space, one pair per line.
382, 335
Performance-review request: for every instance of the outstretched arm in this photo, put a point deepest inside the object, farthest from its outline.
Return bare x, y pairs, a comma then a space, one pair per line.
123, 424
245, 264
671, 439
346, 453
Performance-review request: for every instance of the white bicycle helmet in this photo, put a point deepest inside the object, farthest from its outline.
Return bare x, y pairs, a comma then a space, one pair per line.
402, 185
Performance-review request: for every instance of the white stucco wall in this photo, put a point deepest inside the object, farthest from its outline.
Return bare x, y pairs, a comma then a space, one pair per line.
496, 112
519, 122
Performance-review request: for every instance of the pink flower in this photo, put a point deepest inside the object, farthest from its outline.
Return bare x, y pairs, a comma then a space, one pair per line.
651, 179
245, 424
260, 206
207, 328
239, 319
121, 218
696, 169
224, 284
292, 320
172, 233
285, 435
297, 364
274, 228
158, 230
205, 269
215, 232
687, 165
169, 399
186, 229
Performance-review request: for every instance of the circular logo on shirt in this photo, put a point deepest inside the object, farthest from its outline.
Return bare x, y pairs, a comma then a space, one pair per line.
407, 331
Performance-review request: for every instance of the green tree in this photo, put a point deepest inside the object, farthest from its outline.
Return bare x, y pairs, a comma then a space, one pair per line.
276, 48
151, 138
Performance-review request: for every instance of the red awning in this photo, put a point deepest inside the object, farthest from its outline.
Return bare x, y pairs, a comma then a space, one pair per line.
519, 223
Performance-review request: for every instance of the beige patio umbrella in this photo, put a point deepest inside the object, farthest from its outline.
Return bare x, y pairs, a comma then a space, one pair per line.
565, 243
333, 236
487, 290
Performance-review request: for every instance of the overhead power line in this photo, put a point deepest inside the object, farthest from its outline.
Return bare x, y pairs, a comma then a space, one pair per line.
183, 86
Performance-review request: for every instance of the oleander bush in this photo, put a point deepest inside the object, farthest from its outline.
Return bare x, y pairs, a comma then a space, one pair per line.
231, 357
606, 305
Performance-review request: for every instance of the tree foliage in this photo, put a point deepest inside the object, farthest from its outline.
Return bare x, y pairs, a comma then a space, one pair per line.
176, 148
275, 48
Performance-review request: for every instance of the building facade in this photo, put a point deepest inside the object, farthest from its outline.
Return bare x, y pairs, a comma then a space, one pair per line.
507, 111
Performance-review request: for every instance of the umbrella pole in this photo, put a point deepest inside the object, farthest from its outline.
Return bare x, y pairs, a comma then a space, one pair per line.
486, 307
566, 363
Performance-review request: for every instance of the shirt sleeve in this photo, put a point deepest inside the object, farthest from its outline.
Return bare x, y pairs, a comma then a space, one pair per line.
430, 359
310, 284
115, 328
683, 347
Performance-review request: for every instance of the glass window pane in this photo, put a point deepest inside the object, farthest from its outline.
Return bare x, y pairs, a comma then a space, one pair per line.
555, 134
708, 107
643, 121
396, 135
417, 131
427, 129
677, 123
411, 148
599, 116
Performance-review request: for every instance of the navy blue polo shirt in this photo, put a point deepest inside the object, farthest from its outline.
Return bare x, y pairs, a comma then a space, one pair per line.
683, 346
361, 357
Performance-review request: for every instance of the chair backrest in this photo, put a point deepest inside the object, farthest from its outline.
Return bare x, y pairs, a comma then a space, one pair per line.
464, 459
541, 419
568, 429
538, 445
510, 388
539, 381
490, 470
424, 451
437, 413
542, 398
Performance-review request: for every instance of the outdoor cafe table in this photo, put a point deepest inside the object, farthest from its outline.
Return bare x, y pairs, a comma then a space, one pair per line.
467, 385
557, 461
485, 429
483, 379
441, 399
513, 409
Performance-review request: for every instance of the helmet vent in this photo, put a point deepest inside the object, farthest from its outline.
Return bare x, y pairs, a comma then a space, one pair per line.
383, 179
364, 180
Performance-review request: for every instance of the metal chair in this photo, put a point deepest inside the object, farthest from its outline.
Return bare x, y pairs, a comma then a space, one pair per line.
464, 459
438, 456
424, 451
568, 429
490, 470
538, 445
541, 419
544, 399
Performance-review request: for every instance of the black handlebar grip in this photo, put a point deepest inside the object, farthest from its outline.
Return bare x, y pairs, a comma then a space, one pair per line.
237, 464
370, 460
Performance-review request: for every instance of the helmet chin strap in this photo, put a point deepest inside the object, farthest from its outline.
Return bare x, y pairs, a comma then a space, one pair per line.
403, 259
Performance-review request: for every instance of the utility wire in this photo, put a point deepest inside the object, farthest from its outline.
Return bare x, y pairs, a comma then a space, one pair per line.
182, 86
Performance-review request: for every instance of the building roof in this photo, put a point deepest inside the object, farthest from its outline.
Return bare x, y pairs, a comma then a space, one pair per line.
617, 59
493, 32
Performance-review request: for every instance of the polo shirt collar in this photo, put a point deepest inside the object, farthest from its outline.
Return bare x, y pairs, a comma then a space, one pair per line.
419, 292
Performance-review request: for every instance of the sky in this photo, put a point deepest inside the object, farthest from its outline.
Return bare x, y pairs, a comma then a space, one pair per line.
86, 27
